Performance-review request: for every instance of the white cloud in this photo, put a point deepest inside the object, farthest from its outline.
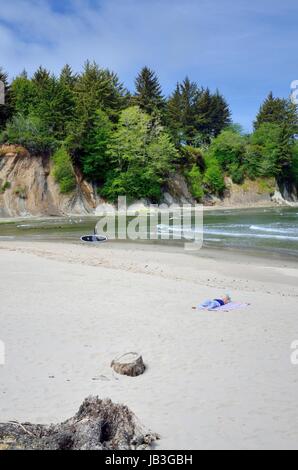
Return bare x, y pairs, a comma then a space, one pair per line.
221, 43
124, 34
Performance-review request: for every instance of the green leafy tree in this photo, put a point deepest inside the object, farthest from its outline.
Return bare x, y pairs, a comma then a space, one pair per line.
161, 154
213, 178
237, 173
141, 158
130, 139
195, 181
228, 148
30, 133
269, 151
63, 171
94, 148
235, 127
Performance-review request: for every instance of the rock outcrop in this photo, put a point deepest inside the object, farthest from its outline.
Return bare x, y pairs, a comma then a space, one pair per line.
249, 194
177, 191
27, 187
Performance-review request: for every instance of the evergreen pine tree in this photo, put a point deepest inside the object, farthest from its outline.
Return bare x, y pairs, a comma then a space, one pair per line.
54, 104
213, 115
205, 113
195, 115
41, 77
148, 95
190, 94
67, 77
291, 117
23, 95
220, 114
96, 89
174, 116
273, 111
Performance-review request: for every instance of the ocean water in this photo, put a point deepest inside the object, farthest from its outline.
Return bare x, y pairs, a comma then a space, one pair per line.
272, 230
267, 230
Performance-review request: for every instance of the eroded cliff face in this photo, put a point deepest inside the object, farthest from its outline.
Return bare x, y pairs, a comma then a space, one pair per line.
249, 194
27, 187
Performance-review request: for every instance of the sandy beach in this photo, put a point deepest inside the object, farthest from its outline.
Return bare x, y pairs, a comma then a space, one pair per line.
213, 380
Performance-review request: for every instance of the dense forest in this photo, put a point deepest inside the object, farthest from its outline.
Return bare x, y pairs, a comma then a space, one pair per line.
131, 143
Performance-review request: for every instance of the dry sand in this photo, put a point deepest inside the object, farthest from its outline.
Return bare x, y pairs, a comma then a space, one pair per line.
213, 380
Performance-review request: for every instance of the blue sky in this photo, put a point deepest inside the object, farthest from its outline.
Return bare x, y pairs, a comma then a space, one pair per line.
244, 48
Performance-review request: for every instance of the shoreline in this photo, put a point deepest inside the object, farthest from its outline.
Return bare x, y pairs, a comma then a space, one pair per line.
251, 206
94, 215
226, 376
222, 254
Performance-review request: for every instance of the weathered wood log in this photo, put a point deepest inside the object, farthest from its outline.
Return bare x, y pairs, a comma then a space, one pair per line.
130, 364
98, 425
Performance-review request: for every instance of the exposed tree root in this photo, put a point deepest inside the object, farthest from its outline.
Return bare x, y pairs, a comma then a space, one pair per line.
99, 424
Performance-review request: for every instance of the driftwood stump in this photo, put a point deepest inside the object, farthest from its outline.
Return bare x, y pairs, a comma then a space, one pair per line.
130, 364
98, 425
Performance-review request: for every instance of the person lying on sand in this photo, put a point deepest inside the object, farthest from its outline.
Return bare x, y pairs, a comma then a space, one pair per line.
216, 303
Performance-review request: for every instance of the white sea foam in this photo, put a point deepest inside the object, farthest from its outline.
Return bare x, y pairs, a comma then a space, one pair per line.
274, 230
251, 235
225, 233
